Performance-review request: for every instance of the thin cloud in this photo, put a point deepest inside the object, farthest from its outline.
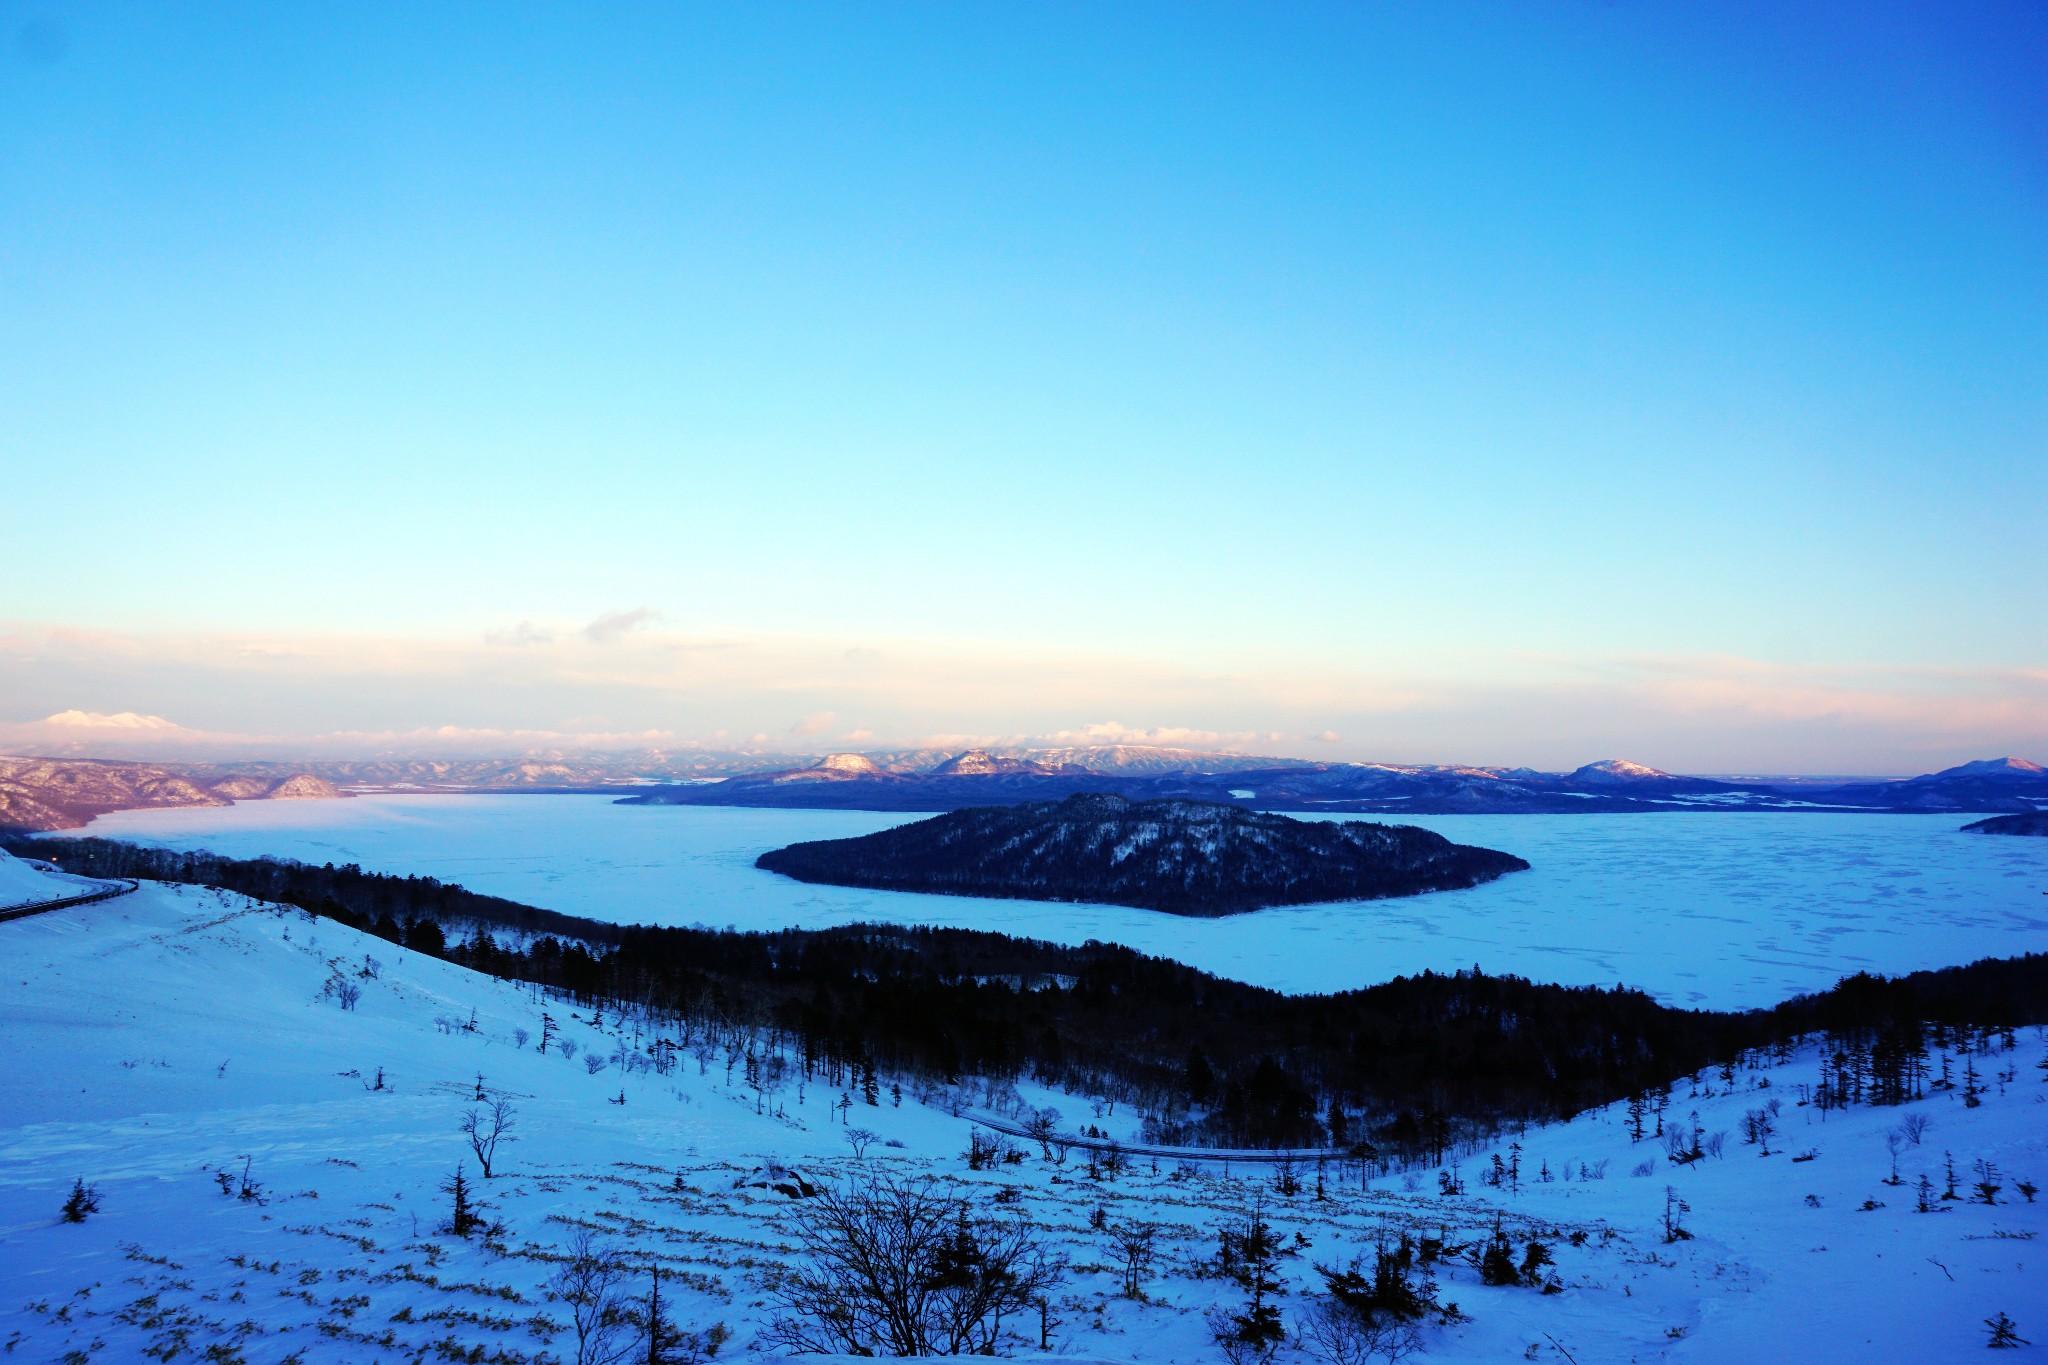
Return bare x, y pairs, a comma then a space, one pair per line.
521, 636
615, 624
815, 724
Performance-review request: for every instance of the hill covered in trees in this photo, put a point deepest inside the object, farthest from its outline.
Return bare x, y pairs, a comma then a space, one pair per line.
1183, 857
2028, 823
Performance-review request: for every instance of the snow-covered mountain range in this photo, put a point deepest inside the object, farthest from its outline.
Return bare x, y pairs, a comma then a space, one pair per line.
851, 781
62, 793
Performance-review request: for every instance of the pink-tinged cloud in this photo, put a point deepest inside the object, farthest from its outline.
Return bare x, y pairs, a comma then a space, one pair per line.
816, 723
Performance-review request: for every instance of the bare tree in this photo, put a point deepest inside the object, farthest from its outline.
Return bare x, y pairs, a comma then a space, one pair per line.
486, 1128
1134, 1247
1334, 1333
1675, 1210
1914, 1127
592, 1283
1041, 1128
899, 1267
858, 1139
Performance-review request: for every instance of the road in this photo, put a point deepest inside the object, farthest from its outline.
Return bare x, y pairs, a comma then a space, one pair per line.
103, 891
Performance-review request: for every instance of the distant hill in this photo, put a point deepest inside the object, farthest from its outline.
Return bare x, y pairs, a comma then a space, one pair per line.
63, 793
1183, 857
2033, 823
900, 782
59, 793
1989, 784
982, 777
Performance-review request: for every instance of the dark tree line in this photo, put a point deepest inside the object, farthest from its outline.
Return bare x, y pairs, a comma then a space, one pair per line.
1407, 1068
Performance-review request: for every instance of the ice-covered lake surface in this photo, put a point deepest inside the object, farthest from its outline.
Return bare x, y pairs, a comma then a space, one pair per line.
1722, 910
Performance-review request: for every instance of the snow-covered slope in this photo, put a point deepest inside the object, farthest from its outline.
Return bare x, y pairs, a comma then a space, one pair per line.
21, 884
159, 1045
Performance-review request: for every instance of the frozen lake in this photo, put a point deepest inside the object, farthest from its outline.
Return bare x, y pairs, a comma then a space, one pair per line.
1720, 910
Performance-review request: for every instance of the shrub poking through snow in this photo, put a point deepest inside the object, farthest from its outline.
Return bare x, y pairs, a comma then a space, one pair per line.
2005, 1333
1373, 1317
1332, 1333
1249, 1252
83, 1203
592, 1285
1675, 1210
900, 1267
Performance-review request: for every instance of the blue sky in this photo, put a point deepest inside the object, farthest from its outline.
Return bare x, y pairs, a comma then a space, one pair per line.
1257, 371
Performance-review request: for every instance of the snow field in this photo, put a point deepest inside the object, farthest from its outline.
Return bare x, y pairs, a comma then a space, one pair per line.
156, 1041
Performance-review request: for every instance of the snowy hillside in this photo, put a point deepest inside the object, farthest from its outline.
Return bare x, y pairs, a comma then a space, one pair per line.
178, 1049
21, 884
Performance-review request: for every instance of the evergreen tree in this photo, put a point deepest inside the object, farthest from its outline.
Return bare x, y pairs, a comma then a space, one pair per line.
84, 1201
462, 1218
1497, 1261
1198, 1077
664, 1341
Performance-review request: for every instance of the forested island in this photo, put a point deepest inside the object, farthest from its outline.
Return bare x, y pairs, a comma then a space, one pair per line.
1182, 857
2025, 823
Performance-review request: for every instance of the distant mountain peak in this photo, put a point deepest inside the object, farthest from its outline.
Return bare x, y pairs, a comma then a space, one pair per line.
1617, 770
847, 765
1994, 768
982, 763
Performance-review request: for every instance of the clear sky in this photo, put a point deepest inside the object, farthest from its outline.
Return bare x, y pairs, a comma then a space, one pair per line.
1494, 383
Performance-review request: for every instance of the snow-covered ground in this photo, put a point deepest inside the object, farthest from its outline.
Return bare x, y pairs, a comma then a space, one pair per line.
1722, 910
21, 884
157, 1041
